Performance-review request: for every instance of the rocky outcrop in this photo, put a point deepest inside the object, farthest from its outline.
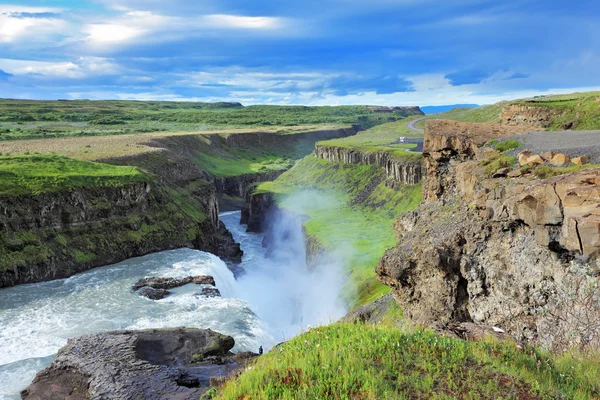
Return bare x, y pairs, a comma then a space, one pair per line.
156, 288
534, 116
398, 171
256, 210
174, 364
492, 251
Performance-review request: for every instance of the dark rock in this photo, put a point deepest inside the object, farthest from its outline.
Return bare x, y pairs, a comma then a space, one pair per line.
372, 312
158, 282
152, 293
147, 364
210, 292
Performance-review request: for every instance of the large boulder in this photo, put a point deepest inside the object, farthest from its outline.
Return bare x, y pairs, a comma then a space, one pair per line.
147, 364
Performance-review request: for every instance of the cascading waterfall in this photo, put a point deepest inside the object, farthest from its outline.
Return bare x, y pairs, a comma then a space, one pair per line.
274, 299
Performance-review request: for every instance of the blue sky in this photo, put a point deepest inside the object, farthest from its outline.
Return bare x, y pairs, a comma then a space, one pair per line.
389, 52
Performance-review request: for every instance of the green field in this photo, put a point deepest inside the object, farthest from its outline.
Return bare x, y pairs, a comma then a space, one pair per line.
41, 174
359, 361
21, 119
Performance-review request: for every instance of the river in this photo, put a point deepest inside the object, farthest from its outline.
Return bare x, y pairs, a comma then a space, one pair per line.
275, 299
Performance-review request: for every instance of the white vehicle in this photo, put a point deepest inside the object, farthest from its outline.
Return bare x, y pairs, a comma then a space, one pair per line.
402, 139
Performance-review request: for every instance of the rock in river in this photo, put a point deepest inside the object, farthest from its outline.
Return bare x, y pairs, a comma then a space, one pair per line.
147, 364
153, 294
158, 282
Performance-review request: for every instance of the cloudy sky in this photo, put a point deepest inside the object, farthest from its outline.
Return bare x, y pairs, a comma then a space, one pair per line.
392, 52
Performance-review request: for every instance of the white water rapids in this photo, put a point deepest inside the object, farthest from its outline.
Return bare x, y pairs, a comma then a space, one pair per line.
274, 300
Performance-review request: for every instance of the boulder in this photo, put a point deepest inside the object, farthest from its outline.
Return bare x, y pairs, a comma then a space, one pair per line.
534, 160
515, 174
170, 283
501, 173
153, 294
547, 156
559, 159
146, 364
581, 160
523, 156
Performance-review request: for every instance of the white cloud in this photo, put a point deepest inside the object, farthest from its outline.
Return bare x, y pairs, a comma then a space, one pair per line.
77, 69
145, 26
241, 22
18, 24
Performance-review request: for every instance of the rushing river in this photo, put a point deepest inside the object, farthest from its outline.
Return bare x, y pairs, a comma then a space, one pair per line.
275, 299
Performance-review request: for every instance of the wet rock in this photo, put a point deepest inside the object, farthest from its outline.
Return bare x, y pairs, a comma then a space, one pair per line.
170, 283
372, 312
147, 364
152, 293
210, 292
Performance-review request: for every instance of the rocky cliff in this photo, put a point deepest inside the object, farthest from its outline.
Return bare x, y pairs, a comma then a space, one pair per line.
398, 171
498, 251
535, 116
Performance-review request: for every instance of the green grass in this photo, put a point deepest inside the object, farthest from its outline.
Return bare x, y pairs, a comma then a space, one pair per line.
352, 211
41, 174
546, 171
359, 361
505, 145
493, 164
381, 138
21, 119
575, 111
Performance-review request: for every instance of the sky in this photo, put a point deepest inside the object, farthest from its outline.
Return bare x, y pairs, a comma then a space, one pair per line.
313, 52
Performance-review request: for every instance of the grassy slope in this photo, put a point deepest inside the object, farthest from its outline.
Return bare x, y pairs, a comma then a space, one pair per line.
353, 213
41, 119
383, 362
580, 109
40, 174
383, 137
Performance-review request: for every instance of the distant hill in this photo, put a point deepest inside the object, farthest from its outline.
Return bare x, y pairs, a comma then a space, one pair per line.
441, 109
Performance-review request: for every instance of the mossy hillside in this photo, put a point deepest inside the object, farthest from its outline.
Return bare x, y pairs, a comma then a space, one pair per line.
164, 222
46, 119
351, 211
381, 138
359, 361
577, 111
42, 174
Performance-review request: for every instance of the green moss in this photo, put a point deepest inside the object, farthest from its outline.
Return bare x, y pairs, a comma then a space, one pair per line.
358, 361
41, 174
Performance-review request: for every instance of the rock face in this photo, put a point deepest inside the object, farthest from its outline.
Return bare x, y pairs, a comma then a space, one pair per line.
520, 114
152, 293
148, 364
55, 235
398, 172
490, 251
256, 210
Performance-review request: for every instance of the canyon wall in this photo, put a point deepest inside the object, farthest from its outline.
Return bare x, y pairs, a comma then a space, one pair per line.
398, 172
496, 251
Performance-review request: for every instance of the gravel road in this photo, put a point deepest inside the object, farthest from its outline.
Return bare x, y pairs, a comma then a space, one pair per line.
571, 143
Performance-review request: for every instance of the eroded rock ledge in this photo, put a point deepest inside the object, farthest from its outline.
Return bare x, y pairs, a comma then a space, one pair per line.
491, 251
149, 364
398, 172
